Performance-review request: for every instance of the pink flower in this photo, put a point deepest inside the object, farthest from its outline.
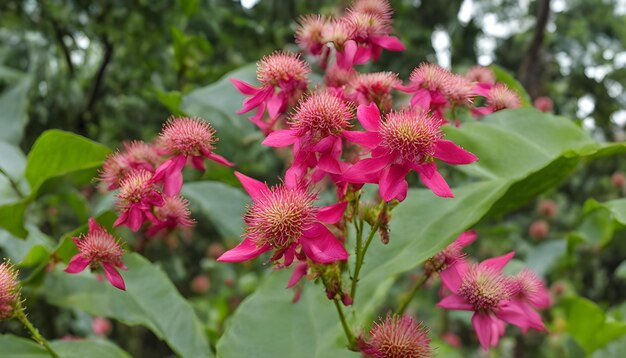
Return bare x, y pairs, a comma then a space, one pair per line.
483, 79
406, 140
138, 195
453, 256
375, 87
283, 77
101, 326
397, 337
499, 97
316, 130
97, 248
9, 290
114, 169
183, 139
136, 155
172, 214
543, 103
309, 33
429, 85
380, 8
284, 219
483, 289
528, 291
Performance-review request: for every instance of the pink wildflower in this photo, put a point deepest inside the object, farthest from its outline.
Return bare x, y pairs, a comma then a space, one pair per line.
138, 194
136, 155
284, 219
309, 33
543, 103
379, 8
366, 88
397, 337
407, 140
114, 169
9, 290
528, 292
483, 289
97, 248
172, 214
429, 85
283, 77
183, 139
498, 98
483, 79
453, 256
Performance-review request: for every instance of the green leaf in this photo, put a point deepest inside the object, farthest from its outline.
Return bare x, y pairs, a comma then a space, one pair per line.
12, 161
57, 153
589, 326
13, 111
223, 204
505, 77
150, 300
18, 347
12, 218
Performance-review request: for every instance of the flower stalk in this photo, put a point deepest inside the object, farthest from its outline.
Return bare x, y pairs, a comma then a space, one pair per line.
21, 316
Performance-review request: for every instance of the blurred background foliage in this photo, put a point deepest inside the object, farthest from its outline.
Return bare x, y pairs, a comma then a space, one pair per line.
114, 70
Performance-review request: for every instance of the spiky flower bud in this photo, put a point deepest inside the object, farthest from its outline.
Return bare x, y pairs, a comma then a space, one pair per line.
9, 290
397, 337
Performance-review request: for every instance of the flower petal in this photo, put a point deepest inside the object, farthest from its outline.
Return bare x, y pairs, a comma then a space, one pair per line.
452, 276
452, 153
219, 159
255, 188
455, 302
321, 246
369, 117
333, 213
392, 184
366, 170
367, 139
436, 182
77, 264
114, 277
246, 250
280, 138
274, 105
499, 262
243, 87
390, 43
298, 272
466, 238
483, 324
421, 99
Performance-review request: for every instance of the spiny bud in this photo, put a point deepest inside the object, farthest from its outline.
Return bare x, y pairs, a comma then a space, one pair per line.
9, 290
187, 136
397, 337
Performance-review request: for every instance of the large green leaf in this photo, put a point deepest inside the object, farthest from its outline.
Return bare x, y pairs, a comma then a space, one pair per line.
150, 300
13, 111
522, 153
17, 347
220, 203
589, 326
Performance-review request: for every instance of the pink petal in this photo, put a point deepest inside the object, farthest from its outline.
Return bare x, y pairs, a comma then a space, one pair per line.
392, 184
483, 324
499, 262
280, 138
345, 59
541, 299
367, 139
481, 111
362, 55
253, 187
121, 219
321, 246
114, 276
298, 272
436, 183
452, 276
255, 100
258, 117
390, 43
93, 226
455, 302
198, 163
421, 99
513, 313
173, 175
246, 250
452, 153
274, 105
369, 117
366, 170
243, 87
219, 159
333, 213
482, 89
466, 238
135, 218
77, 264
329, 164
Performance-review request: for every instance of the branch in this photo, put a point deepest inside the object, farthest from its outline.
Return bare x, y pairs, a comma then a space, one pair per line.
530, 69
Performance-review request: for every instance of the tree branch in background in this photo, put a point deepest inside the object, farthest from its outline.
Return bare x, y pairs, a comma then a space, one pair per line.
531, 67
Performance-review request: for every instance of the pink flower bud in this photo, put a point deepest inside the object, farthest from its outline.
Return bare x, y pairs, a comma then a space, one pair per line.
101, 326
397, 337
618, 179
200, 284
9, 290
539, 229
547, 208
543, 103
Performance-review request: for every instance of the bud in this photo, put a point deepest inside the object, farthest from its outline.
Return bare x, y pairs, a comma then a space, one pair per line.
618, 179
200, 284
547, 208
397, 337
543, 103
539, 229
101, 326
9, 290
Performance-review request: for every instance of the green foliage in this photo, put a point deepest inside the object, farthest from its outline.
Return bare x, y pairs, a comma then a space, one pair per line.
589, 325
16, 347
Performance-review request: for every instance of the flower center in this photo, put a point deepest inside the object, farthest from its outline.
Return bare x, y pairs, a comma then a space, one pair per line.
135, 186
411, 133
280, 217
321, 114
282, 67
187, 136
484, 288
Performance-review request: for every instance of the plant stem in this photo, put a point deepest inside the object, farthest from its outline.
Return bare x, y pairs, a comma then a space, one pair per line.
21, 316
409, 297
344, 324
360, 256
14, 184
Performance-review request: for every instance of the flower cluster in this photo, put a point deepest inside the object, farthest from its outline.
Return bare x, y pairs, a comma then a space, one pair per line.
494, 298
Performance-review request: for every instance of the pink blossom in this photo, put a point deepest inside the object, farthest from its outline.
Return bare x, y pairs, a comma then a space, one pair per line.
452, 257
429, 85
543, 103
99, 248
406, 140
283, 77
284, 219
136, 155
498, 97
483, 289
9, 290
137, 196
309, 33
483, 79
101, 326
375, 87
397, 337
529, 292
183, 139
173, 213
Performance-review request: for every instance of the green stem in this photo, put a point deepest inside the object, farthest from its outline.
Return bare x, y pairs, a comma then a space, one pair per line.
344, 324
360, 256
409, 297
14, 184
21, 316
